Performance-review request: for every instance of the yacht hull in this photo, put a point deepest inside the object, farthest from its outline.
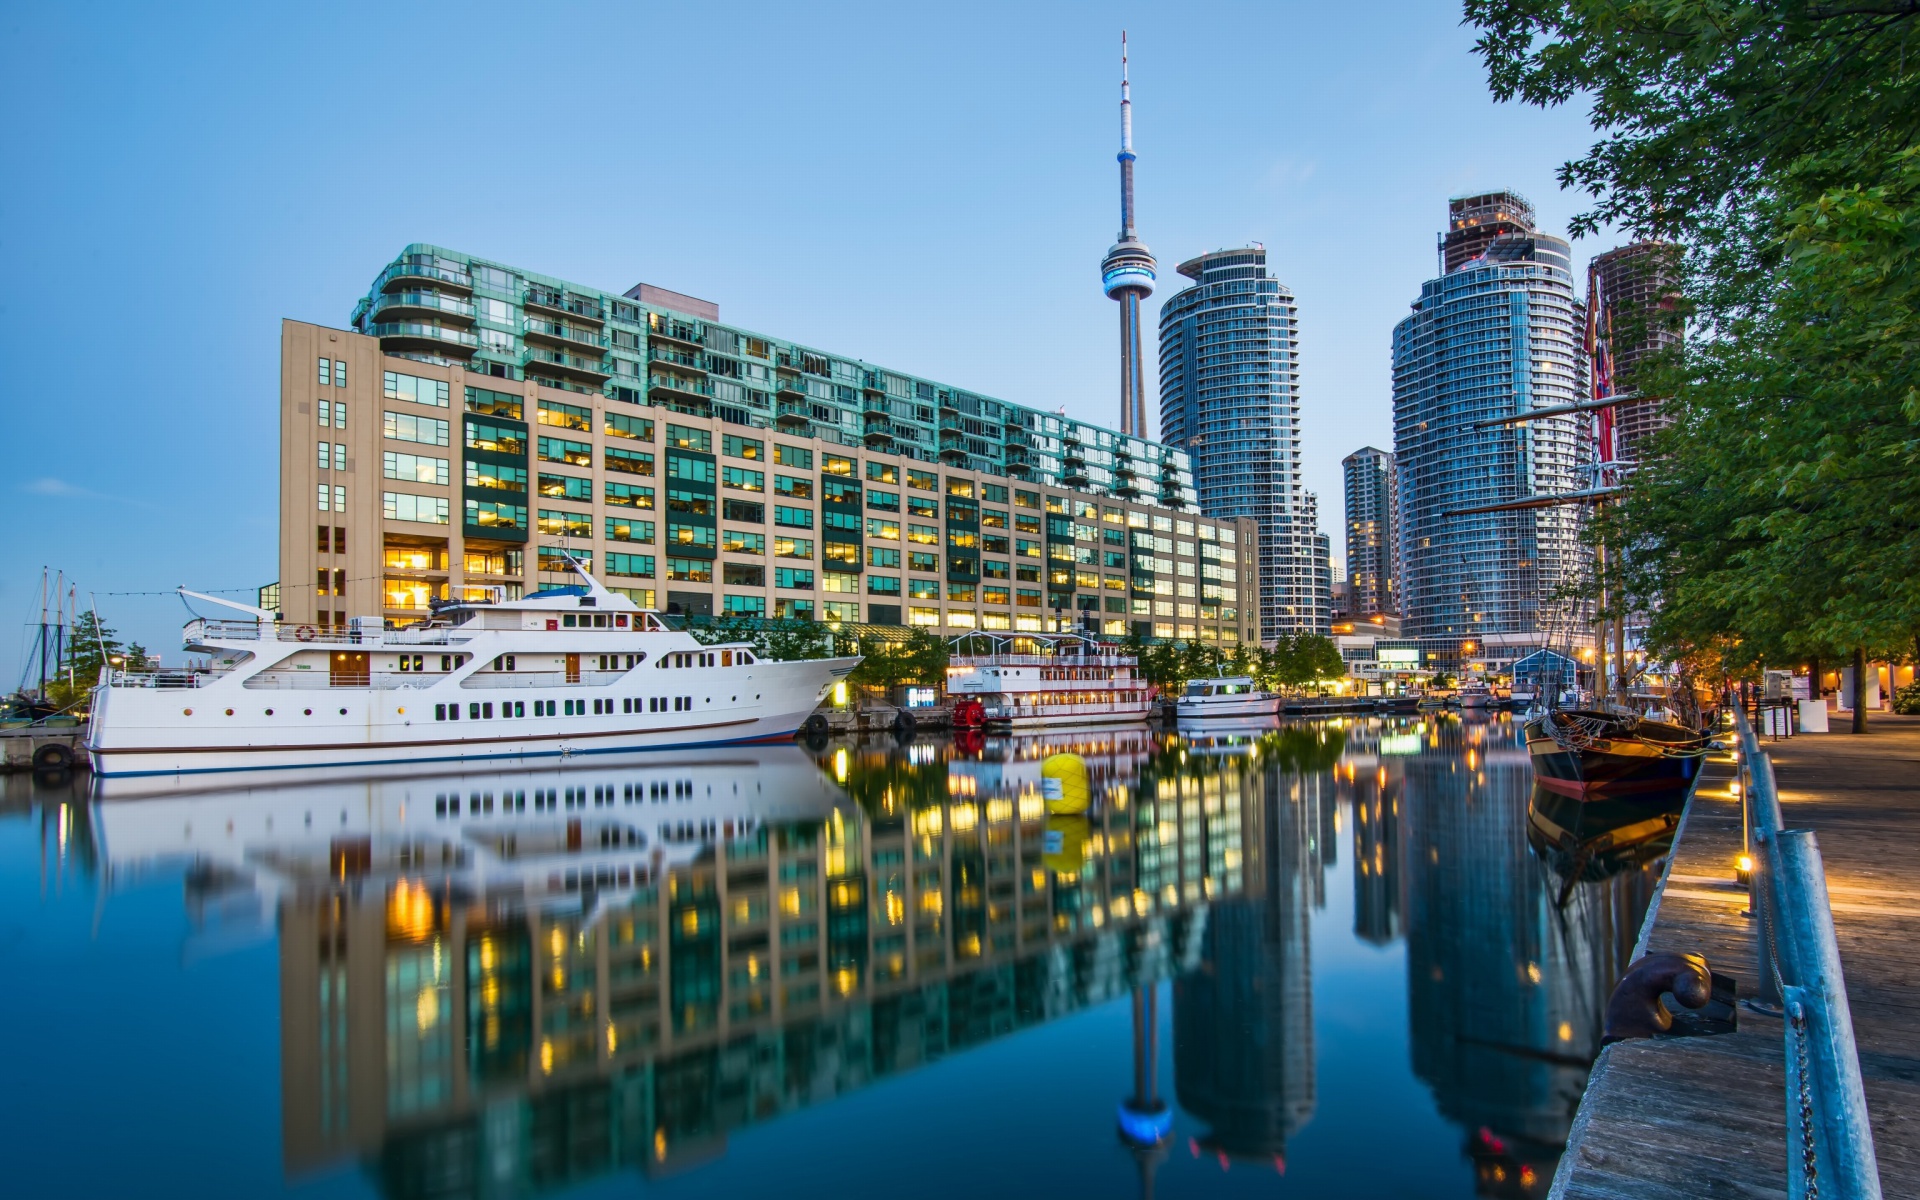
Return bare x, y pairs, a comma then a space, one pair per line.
1230, 707
227, 726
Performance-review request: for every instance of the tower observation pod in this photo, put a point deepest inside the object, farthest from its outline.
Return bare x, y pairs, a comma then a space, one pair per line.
1127, 272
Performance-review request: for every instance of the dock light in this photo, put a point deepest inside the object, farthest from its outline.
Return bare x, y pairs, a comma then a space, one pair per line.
1743, 868
840, 694
1733, 788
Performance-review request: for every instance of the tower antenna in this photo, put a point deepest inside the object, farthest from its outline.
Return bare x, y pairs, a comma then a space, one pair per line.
1127, 272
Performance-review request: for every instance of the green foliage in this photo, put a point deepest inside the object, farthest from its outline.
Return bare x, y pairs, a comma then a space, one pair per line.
1293, 662
1906, 701
1779, 517
777, 641
88, 641
1297, 660
918, 657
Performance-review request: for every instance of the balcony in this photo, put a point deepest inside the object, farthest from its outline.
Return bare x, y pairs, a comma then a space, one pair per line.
875, 404
1075, 477
676, 331
398, 275
571, 304
420, 335
872, 385
538, 329
678, 358
420, 306
678, 389
567, 366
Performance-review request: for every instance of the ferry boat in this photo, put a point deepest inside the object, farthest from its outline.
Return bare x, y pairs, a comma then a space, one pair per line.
565, 671
1036, 681
1474, 693
1227, 696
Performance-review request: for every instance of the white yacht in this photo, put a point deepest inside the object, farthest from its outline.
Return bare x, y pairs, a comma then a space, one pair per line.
1474, 693
1030, 681
1228, 696
565, 671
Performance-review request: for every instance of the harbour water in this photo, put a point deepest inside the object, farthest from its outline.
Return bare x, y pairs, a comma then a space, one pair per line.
1346, 958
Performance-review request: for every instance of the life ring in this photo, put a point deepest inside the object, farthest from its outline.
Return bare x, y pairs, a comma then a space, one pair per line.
305, 633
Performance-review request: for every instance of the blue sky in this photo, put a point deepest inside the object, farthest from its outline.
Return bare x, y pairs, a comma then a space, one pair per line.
930, 188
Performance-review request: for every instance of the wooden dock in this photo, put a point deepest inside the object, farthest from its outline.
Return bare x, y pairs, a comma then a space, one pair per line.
1705, 1116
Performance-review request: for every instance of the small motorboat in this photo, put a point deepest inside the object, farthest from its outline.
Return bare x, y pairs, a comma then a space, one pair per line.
1475, 693
1585, 753
1234, 696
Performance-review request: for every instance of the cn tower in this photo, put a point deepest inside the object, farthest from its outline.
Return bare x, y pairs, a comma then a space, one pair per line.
1127, 272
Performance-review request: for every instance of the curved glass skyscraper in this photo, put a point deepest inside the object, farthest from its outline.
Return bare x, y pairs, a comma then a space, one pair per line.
1497, 334
1230, 397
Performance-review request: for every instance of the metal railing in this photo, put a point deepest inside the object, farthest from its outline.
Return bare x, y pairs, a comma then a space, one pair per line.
1829, 1141
202, 628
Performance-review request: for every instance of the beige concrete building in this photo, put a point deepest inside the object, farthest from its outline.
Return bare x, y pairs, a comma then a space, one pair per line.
406, 481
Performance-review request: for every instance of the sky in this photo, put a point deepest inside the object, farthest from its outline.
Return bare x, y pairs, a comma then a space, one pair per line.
929, 188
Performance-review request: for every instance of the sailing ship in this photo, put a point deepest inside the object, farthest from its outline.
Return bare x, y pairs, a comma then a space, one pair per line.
1583, 753
565, 671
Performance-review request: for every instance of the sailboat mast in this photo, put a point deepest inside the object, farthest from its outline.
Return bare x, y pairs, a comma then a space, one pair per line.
43, 631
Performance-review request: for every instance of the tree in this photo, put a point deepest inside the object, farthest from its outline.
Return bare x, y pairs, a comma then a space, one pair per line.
776, 641
90, 643
917, 658
1778, 519
1299, 659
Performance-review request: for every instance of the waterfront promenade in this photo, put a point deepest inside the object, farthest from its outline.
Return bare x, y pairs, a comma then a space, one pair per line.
1691, 1117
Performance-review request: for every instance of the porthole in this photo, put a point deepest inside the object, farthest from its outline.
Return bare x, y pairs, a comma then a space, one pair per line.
309, 712
343, 712
229, 712
186, 712
269, 712
403, 712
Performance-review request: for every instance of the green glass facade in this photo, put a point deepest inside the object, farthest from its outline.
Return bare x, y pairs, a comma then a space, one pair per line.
440, 306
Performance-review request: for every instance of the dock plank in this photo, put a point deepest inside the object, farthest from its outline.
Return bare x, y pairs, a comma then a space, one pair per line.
1690, 1117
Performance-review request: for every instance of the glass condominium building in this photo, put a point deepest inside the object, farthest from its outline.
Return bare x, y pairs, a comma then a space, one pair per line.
1372, 531
1230, 397
1496, 334
479, 423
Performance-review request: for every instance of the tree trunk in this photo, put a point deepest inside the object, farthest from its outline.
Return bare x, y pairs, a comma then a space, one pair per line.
1813, 679
1859, 689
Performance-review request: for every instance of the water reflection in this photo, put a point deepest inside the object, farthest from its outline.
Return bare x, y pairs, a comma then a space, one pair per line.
1243, 1054
510, 983
1507, 967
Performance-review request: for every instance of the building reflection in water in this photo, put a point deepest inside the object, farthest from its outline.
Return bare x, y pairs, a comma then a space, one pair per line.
505, 984
1243, 1021
1508, 965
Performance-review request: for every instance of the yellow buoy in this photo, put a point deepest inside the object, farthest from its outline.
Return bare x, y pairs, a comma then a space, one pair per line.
1064, 850
1063, 781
